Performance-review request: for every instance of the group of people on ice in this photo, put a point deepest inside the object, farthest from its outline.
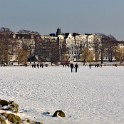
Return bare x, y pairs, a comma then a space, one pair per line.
37, 65
96, 65
74, 66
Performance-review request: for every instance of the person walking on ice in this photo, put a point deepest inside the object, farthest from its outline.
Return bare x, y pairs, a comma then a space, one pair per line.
72, 66
76, 66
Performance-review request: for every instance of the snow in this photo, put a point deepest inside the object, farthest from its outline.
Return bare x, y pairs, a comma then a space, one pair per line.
89, 96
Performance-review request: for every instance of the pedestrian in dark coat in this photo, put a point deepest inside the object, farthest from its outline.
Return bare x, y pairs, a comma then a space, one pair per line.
32, 65
37, 65
90, 66
72, 66
76, 66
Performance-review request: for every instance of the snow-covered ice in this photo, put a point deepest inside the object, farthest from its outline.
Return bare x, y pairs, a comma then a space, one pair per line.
90, 96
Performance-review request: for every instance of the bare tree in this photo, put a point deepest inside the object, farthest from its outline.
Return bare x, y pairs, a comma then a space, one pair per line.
110, 43
22, 56
5, 42
96, 49
119, 54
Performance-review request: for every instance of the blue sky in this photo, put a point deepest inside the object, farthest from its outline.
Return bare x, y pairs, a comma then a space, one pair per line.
83, 16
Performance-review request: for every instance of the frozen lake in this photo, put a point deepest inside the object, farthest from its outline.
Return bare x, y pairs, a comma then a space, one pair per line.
90, 96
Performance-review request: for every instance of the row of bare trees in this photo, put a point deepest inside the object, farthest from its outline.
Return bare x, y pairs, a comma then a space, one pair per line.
10, 46
5, 43
107, 46
44, 50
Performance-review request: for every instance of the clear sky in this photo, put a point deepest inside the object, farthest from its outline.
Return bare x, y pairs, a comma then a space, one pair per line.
83, 16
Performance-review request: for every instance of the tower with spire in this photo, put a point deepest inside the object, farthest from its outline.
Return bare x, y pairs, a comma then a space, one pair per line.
58, 32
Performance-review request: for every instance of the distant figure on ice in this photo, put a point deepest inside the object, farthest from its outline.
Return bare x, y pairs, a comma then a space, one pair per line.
41, 65
90, 66
37, 65
76, 66
72, 66
32, 65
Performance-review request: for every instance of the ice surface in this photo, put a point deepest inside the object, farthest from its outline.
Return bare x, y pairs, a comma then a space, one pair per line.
90, 96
